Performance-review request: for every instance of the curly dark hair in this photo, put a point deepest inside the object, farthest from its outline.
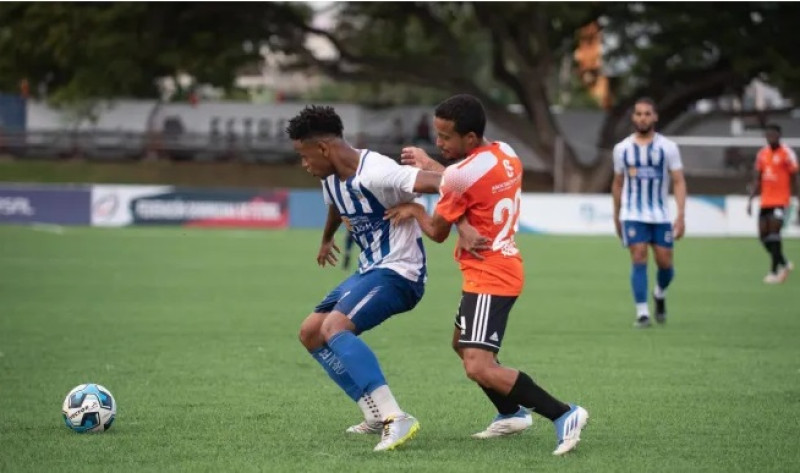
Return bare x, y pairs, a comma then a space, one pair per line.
466, 112
314, 121
774, 127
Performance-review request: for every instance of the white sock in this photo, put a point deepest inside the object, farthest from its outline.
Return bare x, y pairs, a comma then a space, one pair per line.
387, 405
642, 309
659, 293
371, 412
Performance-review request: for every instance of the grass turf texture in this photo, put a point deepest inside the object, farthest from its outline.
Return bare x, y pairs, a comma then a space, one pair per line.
195, 334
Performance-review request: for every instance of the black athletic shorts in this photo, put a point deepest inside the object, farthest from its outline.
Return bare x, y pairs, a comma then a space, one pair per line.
778, 213
482, 319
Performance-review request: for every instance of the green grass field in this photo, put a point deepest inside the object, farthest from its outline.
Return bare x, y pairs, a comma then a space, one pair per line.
195, 334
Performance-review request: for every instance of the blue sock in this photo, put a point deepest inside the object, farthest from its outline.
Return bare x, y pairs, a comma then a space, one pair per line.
639, 282
337, 371
663, 278
359, 361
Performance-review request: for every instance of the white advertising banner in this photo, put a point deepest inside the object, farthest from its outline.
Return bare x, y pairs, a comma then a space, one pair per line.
593, 215
740, 224
112, 204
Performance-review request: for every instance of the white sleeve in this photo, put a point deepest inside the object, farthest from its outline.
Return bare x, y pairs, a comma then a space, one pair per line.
673, 156
619, 165
325, 195
394, 182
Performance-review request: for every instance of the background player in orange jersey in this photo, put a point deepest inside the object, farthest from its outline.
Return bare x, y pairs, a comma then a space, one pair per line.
485, 189
776, 167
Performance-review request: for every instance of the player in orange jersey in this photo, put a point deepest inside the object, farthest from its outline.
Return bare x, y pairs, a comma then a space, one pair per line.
485, 189
776, 167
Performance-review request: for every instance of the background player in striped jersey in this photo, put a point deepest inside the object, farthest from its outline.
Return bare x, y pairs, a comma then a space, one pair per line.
485, 189
644, 164
776, 167
358, 186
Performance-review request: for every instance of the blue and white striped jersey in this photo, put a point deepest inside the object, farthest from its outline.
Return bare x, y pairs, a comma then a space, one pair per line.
647, 176
378, 184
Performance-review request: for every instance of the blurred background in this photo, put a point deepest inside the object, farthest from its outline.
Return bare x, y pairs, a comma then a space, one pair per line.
198, 94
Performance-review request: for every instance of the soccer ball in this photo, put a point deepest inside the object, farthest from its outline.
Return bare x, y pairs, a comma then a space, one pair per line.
89, 408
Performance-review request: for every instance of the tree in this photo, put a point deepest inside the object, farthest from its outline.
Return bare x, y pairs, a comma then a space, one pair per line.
675, 55
112, 49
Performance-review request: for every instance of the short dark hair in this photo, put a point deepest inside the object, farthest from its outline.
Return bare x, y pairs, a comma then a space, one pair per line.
466, 112
648, 101
773, 127
315, 121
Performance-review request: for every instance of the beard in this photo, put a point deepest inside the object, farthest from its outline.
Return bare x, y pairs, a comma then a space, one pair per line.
643, 130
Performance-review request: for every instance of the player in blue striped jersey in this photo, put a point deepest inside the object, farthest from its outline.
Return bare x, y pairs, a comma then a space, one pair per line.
358, 187
644, 164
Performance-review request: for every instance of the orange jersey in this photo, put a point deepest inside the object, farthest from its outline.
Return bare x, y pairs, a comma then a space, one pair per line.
776, 168
486, 187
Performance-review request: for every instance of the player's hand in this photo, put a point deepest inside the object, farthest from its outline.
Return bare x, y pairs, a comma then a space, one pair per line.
678, 228
401, 213
417, 157
749, 208
327, 254
470, 240
618, 227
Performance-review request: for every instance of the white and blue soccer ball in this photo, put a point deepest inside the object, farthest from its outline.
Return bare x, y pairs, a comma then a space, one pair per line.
89, 408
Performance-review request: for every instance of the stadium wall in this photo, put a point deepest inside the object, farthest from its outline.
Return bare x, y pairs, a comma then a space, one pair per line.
128, 205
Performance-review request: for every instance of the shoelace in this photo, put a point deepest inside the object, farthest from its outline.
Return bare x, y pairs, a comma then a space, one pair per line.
386, 429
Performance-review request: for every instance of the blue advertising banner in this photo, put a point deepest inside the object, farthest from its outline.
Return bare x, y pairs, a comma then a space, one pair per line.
61, 206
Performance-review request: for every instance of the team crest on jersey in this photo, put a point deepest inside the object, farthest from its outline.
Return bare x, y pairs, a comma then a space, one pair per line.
632, 171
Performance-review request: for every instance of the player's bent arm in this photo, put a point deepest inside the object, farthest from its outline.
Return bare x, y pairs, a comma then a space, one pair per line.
435, 227
680, 191
332, 223
427, 182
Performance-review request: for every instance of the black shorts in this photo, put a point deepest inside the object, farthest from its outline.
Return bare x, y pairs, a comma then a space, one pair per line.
777, 213
482, 319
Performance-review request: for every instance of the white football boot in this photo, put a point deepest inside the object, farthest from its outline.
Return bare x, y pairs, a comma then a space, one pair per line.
507, 425
397, 430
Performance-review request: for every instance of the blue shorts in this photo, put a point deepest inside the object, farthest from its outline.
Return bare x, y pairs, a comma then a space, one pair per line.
659, 234
370, 298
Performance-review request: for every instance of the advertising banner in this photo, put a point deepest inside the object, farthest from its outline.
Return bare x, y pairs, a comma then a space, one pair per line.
165, 205
54, 205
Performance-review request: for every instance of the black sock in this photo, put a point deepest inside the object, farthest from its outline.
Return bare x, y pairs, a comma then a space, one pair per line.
779, 251
527, 393
774, 251
505, 406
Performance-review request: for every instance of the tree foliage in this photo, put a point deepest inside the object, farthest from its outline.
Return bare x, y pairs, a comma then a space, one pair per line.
675, 53
112, 49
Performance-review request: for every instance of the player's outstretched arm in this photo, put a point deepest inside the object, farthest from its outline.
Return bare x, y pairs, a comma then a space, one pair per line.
328, 249
435, 227
417, 157
428, 182
680, 192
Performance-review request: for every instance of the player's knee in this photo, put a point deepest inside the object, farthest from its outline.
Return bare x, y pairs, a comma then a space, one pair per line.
477, 370
336, 322
310, 335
